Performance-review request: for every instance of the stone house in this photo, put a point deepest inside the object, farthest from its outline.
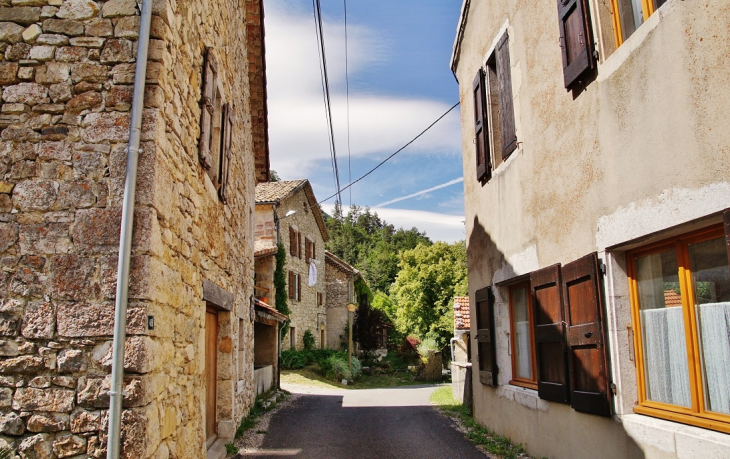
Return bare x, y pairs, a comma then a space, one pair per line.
340, 281
66, 75
595, 151
288, 212
460, 346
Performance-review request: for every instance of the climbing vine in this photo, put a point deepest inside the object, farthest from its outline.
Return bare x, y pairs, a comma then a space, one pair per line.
280, 284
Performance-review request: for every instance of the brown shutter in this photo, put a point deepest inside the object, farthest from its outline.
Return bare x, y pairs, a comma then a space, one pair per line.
299, 287
226, 151
314, 250
506, 104
210, 71
550, 350
726, 218
307, 250
299, 245
291, 285
487, 348
587, 360
292, 242
576, 39
481, 139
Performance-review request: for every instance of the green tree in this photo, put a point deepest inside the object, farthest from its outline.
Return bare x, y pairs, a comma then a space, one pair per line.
430, 277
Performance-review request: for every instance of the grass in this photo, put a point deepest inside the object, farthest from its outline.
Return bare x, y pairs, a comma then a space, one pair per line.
476, 433
254, 414
309, 376
231, 448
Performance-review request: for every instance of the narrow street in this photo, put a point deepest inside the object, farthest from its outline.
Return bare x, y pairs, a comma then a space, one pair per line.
373, 423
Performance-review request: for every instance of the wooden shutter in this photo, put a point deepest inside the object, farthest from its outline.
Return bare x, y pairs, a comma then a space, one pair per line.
576, 39
210, 72
291, 285
486, 346
225, 151
299, 245
314, 250
506, 104
726, 218
292, 242
299, 287
550, 349
307, 250
587, 360
481, 139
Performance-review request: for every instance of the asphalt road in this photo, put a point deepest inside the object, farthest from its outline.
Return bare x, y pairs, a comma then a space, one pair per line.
366, 423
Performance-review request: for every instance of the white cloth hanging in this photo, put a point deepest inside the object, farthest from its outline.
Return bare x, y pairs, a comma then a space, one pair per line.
312, 273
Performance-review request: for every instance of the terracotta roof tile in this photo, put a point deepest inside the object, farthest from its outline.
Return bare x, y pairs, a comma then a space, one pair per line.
263, 247
462, 316
276, 191
672, 298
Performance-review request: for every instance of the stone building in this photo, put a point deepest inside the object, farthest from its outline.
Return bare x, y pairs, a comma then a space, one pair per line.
288, 212
66, 79
595, 150
340, 281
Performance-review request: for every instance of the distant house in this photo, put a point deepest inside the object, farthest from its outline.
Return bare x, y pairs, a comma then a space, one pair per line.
460, 345
595, 149
340, 281
287, 212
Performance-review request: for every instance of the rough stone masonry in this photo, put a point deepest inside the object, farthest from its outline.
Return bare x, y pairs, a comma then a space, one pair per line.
66, 74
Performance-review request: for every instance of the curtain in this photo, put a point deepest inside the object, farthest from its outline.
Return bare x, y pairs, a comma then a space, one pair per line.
714, 319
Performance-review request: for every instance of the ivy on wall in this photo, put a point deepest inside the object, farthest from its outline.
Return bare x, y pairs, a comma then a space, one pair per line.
280, 284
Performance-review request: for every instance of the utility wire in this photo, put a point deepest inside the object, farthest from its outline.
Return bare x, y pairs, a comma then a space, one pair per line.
389, 157
347, 86
326, 91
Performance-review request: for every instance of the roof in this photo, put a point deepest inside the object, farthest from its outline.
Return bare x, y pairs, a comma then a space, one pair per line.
456, 51
462, 316
264, 247
261, 306
338, 263
672, 298
274, 192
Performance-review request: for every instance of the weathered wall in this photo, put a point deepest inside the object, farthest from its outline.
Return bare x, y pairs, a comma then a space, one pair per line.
66, 86
643, 148
339, 288
304, 313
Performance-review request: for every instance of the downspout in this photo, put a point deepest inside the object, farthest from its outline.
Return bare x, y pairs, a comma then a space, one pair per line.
125, 237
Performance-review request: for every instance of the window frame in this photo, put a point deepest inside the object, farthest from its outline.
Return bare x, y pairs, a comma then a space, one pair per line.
647, 9
295, 286
695, 415
517, 381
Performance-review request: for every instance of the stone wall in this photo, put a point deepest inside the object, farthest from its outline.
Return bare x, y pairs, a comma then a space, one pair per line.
339, 290
66, 75
304, 313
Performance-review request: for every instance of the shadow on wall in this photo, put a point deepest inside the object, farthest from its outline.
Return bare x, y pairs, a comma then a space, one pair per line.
484, 260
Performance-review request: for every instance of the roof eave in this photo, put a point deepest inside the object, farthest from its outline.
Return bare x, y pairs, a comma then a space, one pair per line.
456, 50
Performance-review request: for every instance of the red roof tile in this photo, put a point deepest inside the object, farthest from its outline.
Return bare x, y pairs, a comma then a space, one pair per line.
672, 298
462, 320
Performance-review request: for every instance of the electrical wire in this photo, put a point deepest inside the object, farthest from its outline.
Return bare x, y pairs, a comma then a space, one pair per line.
389, 157
326, 92
347, 86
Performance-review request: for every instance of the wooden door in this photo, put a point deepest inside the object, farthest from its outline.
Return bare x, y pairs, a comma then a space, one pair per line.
211, 373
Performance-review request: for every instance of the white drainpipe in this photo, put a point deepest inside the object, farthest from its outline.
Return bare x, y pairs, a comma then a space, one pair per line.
125, 238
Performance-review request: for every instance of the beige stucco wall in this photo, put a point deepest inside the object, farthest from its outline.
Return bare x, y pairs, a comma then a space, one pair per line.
643, 148
305, 314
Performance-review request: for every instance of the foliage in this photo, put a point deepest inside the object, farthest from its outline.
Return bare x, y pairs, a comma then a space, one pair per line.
274, 177
335, 367
6, 453
363, 240
430, 277
293, 359
476, 433
280, 284
428, 344
366, 324
231, 449
308, 340
259, 408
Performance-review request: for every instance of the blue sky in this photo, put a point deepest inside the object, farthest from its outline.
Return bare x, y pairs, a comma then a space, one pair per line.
400, 82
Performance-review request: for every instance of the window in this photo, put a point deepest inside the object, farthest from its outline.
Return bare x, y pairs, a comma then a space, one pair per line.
292, 338
576, 40
486, 348
309, 250
680, 296
295, 242
216, 127
320, 299
628, 15
494, 116
522, 345
295, 286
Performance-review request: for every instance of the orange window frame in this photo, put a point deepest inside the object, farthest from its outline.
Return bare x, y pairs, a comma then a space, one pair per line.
695, 415
516, 381
647, 9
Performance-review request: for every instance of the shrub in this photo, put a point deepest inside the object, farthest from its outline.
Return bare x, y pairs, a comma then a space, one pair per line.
335, 367
293, 360
308, 340
428, 344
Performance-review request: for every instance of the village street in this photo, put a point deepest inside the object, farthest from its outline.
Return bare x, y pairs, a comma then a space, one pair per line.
374, 423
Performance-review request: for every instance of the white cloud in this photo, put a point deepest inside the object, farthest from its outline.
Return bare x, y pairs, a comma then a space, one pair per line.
379, 124
438, 227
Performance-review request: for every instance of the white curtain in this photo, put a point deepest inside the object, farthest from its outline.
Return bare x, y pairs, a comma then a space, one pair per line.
522, 341
715, 341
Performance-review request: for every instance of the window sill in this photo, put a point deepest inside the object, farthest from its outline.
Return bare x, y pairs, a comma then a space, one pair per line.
523, 396
675, 438
695, 421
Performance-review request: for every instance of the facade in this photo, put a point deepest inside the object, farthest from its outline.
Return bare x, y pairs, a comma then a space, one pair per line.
595, 150
340, 282
66, 81
460, 347
287, 211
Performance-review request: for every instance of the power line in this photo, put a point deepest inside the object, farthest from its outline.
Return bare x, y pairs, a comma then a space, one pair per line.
347, 85
389, 157
326, 91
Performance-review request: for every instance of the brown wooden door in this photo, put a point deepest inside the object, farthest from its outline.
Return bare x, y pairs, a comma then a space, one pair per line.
211, 372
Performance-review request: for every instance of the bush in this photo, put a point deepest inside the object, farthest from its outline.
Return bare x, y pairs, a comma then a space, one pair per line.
308, 340
428, 344
335, 367
294, 360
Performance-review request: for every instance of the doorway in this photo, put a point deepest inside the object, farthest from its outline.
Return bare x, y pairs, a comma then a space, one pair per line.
211, 374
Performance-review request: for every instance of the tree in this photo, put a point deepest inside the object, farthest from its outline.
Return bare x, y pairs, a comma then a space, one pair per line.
274, 177
368, 320
423, 292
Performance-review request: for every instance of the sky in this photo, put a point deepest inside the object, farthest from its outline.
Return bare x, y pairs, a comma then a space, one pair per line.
397, 66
